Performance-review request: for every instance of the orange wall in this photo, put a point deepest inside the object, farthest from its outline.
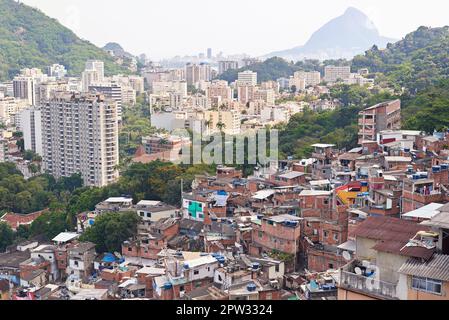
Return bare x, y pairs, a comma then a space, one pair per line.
419, 295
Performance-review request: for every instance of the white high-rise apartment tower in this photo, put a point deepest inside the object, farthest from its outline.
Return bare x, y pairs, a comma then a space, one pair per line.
247, 77
80, 135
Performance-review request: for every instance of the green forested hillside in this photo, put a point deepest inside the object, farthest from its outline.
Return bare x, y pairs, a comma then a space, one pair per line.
28, 38
419, 60
419, 64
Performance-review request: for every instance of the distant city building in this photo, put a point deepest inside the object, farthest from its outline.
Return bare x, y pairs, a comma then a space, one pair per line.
311, 78
25, 88
224, 66
209, 53
112, 91
195, 73
56, 70
97, 66
31, 127
247, 78
333, 73
80, 135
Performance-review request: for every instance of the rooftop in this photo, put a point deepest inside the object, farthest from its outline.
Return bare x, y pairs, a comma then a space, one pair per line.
435, 268
393, 235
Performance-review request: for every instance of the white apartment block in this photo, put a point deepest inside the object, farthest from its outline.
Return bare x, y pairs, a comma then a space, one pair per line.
31, 126
224, 66
112, 91
80, 135
98, 66
195, 73
266, 95
333, 73
247, 78
311, 78
164, 87
299, 84
9, 107
57, 70
25, 88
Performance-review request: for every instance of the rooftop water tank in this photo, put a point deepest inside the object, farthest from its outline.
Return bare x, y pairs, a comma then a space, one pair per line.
255, 266
436, 169
251, 287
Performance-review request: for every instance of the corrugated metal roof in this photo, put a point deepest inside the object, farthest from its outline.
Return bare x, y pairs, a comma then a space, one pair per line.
441, 220
392, 235
436, 268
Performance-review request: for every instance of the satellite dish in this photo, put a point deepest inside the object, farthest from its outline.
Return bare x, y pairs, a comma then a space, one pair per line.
346, 255
358, 271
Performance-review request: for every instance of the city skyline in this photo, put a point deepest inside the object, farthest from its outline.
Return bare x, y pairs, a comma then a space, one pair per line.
296, 25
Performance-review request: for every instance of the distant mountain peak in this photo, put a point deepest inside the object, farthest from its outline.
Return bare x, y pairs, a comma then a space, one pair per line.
353, 12
342, 37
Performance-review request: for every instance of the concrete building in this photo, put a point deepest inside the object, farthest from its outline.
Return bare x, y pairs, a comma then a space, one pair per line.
312, 78
382, 116
80, 135
224, 66
112, 91
31, 126
334, 73
195, 73
57, 70
98, 66
247, 78
25, 88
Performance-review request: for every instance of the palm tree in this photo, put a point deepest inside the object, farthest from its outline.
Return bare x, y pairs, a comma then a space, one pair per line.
221, 126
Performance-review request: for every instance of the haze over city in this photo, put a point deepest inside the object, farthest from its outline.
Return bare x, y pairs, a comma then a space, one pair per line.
252, 27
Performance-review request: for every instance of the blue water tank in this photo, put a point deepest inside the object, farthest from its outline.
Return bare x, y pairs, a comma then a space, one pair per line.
407, 150
167, 285
364, 184
436, 169
255, 266
251, 287
444, 167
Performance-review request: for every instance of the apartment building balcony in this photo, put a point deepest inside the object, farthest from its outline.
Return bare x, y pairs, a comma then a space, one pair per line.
369, 122
364, 284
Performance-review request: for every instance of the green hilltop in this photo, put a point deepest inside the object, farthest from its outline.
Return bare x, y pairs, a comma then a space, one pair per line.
29, 38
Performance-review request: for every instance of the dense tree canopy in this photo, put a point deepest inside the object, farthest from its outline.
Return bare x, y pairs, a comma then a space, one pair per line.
110, 230
6, 236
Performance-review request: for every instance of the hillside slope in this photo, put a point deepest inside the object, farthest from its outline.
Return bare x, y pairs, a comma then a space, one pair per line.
29, 38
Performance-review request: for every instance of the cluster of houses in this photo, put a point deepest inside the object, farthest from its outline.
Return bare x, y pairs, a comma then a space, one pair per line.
369, 223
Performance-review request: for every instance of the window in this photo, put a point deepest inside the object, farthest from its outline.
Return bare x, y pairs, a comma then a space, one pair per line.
276, 268
326, 201
325, 234
196, 272
335, 236
331, 266
426, 285
130, 249
260, 234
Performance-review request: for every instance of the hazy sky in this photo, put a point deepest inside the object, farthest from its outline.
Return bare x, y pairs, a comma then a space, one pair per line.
165, 28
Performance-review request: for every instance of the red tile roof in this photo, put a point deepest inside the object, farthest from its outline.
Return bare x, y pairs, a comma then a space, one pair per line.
14, 220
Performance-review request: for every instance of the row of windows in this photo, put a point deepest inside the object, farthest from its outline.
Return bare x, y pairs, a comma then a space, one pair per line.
426, 285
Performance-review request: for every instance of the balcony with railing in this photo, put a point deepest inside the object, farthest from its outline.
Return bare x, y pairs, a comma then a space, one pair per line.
366, 283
